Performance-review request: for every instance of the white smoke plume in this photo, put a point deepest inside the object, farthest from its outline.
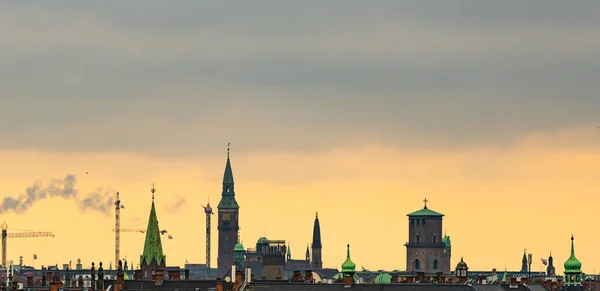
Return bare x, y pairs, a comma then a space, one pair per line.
100, 200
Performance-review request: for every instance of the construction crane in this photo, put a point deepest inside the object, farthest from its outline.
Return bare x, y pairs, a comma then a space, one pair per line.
6, 236
139, 230
118, 207
208, 211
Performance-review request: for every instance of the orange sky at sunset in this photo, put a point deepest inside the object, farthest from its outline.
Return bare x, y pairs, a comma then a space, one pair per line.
497, 201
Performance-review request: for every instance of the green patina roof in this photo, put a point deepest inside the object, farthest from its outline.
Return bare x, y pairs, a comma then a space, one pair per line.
446, 241
572, 265
383, 278
289, 251
228, 196
239, 247
425, 212
348, 266
261, 240
152, 245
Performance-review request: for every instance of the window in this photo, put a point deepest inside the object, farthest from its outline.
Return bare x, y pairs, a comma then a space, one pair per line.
412, 222
434, 239
435, 264
418, 222
423, 221
417, 264
418, 238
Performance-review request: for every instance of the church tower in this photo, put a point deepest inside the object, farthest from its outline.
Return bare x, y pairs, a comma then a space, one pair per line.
317, 262
524, 262
228, 221
426, 251
572, 272
152, 259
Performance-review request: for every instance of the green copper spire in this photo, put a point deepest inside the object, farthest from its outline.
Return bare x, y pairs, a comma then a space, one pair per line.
152, 245
572, 268
289, 252
228, 194
348, 266
572, 264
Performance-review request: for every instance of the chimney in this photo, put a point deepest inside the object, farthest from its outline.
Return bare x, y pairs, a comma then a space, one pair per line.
239, 276
93, 278
100, 284
348, 280
160, 277
56, 283
187, 274
68, 278
43, 276
118, 285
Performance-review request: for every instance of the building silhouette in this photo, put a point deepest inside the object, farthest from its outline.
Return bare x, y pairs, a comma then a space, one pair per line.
228, 226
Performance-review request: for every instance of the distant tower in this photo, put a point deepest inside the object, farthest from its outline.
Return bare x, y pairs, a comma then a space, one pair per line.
425, 249
572, 271
317, 262
208, 211
524, 262
448, 249
228, 227
307, 254
118, 207
550, 270
153, 258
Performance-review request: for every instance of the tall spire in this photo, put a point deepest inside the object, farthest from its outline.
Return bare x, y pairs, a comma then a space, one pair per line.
228, 195
316, 243
153, 245
572, 268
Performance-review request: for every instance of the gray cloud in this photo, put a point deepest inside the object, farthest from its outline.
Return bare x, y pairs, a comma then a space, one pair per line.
99, 200
174, 207
185, 78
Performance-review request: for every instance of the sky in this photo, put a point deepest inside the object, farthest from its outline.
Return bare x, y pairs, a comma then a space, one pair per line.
357, 110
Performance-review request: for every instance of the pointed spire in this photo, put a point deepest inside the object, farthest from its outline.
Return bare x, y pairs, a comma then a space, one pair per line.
228, 176
316, 243
228, 194
348, 266
152, 245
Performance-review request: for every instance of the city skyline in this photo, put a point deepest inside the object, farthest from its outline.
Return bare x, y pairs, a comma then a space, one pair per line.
358, 111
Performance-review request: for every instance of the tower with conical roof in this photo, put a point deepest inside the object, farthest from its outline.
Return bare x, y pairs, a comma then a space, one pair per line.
228, 221
426, 249
317, 262
153, 258
524, 262
572, 271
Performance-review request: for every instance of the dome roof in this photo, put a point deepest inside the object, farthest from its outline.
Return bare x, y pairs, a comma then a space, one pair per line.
383, 278
261, 240
572, 264
446, 241
348, 266
462, 265
239, 247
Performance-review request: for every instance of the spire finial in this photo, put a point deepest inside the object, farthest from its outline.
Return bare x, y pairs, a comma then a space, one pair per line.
153, 190
228, 144
445, 232
425, 200
317, 214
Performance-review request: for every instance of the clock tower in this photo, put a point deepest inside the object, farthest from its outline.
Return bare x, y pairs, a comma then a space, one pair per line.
228, 222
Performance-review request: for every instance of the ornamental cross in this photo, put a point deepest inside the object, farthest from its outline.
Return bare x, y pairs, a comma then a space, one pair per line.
425, 200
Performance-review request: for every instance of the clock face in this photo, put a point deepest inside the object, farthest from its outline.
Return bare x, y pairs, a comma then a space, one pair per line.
226, 216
